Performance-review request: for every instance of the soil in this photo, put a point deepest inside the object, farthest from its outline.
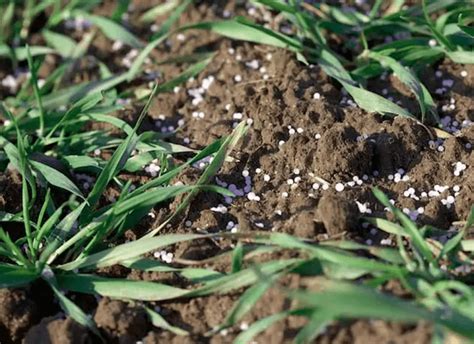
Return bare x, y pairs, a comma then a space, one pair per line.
306, 143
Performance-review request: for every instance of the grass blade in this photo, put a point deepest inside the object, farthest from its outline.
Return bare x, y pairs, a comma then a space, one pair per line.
241, 29
127, 251
119, 288
408, 78
372, 102
71, 309
34, 84
56, 178
17, 277
158, 321
245, 303
112, 30
64, 45
408, 225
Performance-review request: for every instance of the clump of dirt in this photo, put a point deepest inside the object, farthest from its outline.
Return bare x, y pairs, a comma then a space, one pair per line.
10, 191
337, 214
54, 330
376, 331
342, 154
17, 314
121, 322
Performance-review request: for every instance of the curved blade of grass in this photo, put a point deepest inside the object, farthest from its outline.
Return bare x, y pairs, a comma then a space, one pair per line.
20, 53
64, 45
116, 122
7, 217
332, 66
56, 178
13, 155
196, 275
153, 197
14, 252
82, 162
245, 277
259, 326
85, 103
160, 322
71, 309
112, 30
47, 227
463, 57
17, 278
159, 10
241, 29
408, 225
27, 200
165, 178
237, 258
157, 39
437, 34
408, 78
119, 158
337, 257
172, 18
119, 288
168, 86
151, 291
387, 226
389, 254
353, 301
318, 321
372, 102
245, 303
209, 172
60, 234
77, 92
128, 251
34, 83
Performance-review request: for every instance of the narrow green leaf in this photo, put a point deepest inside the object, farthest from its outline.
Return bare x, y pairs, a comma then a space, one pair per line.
245, 303
408, 225
20, 53
127, 251
60, 234
463, 57
17, 277
259, 326
74, 93
318, 322
160, 322
242, 30
159, 10
71, 309
119, 288
372, 102
112, 30
408, 78
56, 178
64, 45
237, 258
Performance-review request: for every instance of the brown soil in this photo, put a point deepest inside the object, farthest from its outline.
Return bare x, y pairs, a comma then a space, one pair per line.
297, 144
53, 330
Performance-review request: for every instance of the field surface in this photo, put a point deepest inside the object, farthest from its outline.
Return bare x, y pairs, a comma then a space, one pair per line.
236, 171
